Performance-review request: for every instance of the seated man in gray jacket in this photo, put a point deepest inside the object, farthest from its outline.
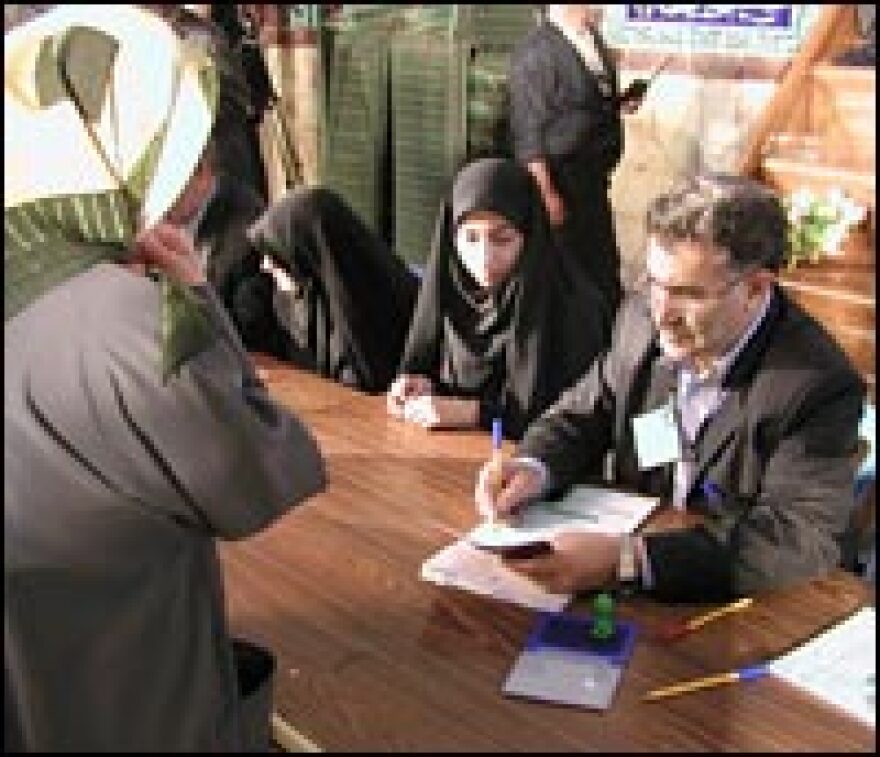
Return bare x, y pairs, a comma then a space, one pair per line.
719, 395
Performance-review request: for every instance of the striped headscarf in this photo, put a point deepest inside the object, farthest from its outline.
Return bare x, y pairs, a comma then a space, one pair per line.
107, 112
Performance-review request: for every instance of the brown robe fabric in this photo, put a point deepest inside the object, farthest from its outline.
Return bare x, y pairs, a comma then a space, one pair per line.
116, 487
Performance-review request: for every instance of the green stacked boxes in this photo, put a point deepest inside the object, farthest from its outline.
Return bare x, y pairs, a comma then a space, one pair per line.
489, 34
487, 107
427, 95
410, 93
354, 144
498, 27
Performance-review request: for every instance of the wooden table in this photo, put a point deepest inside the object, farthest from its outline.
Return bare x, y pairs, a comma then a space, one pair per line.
372, 658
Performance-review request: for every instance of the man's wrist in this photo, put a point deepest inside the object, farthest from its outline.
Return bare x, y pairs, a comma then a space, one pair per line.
628, 571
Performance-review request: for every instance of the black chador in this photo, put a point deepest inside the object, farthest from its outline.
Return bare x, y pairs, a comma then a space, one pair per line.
516, 346
347, 315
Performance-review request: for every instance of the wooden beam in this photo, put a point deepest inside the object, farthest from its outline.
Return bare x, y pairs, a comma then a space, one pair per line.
787, 110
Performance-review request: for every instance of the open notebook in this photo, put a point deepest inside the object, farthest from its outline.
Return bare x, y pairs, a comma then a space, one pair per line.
587, 508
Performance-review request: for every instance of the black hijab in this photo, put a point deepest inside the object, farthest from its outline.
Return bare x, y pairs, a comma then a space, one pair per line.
515, 347
348, 315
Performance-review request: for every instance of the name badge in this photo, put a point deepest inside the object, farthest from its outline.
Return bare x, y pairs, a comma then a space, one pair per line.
657, 437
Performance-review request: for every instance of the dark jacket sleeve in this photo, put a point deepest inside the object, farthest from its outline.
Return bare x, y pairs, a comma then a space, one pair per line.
573, 435
792, 529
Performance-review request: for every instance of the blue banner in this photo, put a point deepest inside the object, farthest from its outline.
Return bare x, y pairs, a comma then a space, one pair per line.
765, 16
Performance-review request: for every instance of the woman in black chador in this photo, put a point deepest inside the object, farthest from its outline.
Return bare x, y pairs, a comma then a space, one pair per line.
340, 302
504, 322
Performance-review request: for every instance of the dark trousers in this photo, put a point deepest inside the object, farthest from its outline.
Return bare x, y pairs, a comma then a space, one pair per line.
587, 234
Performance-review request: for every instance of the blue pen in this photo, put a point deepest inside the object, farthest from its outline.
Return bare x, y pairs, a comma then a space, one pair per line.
497, 436
712, 492
750, 673
496, 460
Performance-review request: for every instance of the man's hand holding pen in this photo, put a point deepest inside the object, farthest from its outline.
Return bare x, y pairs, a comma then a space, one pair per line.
577, 560
504, 486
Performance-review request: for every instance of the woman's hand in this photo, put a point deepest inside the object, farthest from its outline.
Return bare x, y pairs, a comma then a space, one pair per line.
405, 388
430, 411
555, 207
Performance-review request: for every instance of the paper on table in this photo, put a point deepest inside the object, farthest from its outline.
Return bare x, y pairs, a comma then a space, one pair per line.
584, 508
464, 566
838, 666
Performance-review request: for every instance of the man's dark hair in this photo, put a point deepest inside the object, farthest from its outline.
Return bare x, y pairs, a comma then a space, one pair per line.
733, 214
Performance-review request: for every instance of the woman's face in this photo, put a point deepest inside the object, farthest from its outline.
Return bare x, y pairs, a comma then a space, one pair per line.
488, 246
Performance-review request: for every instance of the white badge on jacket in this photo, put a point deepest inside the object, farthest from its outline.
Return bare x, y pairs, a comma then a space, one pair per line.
657, 437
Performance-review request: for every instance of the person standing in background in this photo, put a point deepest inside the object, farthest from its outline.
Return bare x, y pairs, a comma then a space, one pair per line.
246, 91
566, 129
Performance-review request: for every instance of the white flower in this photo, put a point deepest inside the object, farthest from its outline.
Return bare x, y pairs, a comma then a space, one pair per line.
851, 213
820, 225
832, 238
799, 203
836, 198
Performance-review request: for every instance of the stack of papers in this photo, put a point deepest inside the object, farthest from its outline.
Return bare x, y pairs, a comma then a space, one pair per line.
584, 508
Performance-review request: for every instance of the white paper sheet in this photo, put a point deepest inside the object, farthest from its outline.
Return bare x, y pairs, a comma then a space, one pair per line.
584, 508
464, 566
838, 666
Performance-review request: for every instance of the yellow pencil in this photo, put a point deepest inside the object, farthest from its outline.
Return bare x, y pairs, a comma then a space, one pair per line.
685, 687
693, 624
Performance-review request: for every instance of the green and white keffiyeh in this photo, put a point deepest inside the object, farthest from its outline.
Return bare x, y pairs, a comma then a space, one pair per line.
107, 112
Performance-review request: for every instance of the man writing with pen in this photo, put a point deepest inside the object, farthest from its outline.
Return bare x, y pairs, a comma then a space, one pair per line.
719, 395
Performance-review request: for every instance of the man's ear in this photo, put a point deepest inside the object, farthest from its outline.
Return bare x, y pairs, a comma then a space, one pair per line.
761, 281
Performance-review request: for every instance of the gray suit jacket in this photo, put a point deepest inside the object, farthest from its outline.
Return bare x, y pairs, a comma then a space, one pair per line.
775, 464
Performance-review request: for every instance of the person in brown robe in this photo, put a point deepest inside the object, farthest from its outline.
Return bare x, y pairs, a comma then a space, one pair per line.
136, 430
